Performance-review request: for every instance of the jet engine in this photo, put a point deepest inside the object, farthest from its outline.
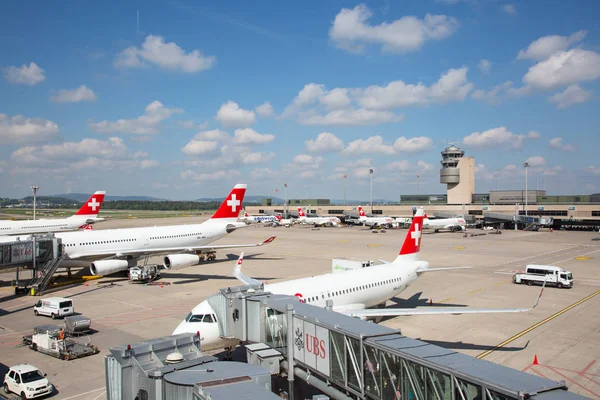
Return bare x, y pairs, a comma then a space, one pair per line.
176, 261
107, 267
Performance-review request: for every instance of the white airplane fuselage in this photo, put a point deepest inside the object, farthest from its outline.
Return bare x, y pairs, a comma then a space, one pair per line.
45, 225
444, 223
375, 221
319, 220
361, 288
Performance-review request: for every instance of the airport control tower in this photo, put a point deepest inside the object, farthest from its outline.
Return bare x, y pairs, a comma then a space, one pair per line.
458, 173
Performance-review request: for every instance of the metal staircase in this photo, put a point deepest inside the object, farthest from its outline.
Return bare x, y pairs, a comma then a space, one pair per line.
44, 274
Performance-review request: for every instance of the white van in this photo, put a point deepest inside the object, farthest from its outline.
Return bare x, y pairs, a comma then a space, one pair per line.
55, 307
545, 273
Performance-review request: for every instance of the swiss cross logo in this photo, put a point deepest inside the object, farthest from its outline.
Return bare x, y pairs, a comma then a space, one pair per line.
240, 261
416, 235
93, 204
233, 203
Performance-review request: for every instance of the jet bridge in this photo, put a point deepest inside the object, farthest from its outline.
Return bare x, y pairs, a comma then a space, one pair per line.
42, 262
346, 357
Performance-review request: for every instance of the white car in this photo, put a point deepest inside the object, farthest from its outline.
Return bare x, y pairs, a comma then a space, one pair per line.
27, 381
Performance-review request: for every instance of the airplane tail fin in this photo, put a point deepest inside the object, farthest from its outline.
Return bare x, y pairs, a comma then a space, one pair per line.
231, 206
301, 212
361, 212
92, 206
412, 243
278, 217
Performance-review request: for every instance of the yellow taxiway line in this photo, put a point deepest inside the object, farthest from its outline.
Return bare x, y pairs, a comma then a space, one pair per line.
550, 318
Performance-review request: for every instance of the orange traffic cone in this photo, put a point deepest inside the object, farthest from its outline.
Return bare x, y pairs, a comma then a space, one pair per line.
535, 360
430, 302
87, 283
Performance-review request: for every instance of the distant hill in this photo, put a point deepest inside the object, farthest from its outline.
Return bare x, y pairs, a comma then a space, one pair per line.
84, 196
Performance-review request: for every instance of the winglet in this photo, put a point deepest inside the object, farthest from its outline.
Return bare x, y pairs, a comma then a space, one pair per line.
237, 272
267, 241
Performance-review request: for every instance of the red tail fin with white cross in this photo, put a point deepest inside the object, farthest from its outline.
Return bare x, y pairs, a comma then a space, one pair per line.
301, 212
361, 212
412, 242
92, 206
231, 206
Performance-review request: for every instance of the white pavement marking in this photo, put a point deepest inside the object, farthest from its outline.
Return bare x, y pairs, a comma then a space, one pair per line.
83, 394
100, 395
579, 255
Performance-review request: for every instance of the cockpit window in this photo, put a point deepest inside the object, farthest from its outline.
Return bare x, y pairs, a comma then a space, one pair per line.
194, 317
208, 318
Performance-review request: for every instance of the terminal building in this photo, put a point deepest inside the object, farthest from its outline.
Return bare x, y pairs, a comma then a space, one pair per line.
457, 172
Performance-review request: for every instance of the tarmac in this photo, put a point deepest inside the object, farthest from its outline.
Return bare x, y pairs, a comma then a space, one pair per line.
562, 333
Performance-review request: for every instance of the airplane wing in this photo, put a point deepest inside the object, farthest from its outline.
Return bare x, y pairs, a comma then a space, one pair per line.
396, 312
237, 272
419, 271
166, 250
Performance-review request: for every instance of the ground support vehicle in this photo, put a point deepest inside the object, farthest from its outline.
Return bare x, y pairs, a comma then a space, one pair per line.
544, 273
46, 339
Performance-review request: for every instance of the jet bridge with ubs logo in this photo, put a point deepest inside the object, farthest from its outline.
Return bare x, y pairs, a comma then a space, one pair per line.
348, 358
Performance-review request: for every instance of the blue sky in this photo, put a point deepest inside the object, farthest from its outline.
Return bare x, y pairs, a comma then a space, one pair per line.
204, 95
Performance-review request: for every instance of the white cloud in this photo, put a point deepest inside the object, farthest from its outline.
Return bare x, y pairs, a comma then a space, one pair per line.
189, 175
371, 145
71, 157
400, 165
593, 170
215, 134
256, 158
491, 96
231, 115
82, 93
553, 171
19, 129
324, 143
336, 98
265, 110
156, 51
190, 124
27, 74
199, 147
263, 173
147, 124
509, 8
498, 137
304, 159
145, 164
484, 66
453, 85
573, 94
557, 143
413, 145
544, 47
351, 30
536, 161
424, 166
351, 117
250, 136
564, 68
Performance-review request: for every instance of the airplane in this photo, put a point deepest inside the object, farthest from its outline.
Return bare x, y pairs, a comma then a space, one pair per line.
259, 219
317, 221
453, 224
373, 222
87, 215
113, 250
353, 292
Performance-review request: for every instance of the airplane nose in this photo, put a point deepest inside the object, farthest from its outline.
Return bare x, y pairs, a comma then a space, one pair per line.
181, 328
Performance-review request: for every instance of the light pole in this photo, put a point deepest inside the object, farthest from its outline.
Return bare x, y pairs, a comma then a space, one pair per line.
35, 188
526, 165
418, 183
285, 201
371, 176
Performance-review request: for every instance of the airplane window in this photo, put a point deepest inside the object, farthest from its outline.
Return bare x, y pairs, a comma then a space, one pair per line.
194, 318
208, 318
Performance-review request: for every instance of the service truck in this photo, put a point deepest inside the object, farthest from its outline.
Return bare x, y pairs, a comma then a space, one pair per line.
544, 273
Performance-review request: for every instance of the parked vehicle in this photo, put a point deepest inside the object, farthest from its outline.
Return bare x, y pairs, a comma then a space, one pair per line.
55, 307
544, 273
27, 381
